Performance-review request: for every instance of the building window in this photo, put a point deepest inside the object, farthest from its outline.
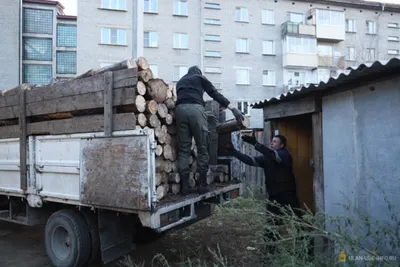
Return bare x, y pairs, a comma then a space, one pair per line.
66, 35
370, 27
393, 52
212, 21
38, 21
268, 47
180, 41
114, 4
37, 74
242, 45
269, 78
295, 17
212, 38
113, 36
242, 14
351, 53
210, 53
242, 76
180, 7
325, 50
267, 17
350, 25
150, 39
393, 38
370, 54
154, 69
297, 78
212, 5
38, 49
179, 71
295, 44
212, 70
244, 106
151, 6
330, 17
393, 25
66, 62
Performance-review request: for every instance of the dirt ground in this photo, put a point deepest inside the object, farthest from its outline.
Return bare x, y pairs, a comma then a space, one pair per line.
22, 246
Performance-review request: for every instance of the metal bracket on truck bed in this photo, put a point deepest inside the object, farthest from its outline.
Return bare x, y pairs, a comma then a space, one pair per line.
189, 209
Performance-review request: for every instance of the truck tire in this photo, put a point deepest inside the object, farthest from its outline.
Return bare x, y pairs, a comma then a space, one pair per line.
95, 253
67, 239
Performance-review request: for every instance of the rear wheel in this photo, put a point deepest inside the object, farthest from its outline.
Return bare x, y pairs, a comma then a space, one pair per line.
91, 221
67, 239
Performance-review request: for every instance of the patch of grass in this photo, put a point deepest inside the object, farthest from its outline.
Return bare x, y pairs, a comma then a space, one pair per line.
234, 236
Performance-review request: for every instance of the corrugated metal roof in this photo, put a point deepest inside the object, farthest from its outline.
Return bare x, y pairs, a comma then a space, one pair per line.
352, 74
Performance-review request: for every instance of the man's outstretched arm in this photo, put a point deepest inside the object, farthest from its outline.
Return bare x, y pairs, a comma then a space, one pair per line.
251, 161
269, 153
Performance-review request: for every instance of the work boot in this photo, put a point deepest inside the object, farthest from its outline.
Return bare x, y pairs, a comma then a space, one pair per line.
203, 187
185, 188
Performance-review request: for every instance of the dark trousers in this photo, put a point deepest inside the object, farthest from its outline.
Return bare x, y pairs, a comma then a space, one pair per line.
191, 121
282, 199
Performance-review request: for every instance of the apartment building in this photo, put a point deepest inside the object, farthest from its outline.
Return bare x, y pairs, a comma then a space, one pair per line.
108, 31
39, 43
250, 50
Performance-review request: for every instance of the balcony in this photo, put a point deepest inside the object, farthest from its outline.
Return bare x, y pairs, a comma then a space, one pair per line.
297, 29
329, 24
331, 62
300, 60
300, 52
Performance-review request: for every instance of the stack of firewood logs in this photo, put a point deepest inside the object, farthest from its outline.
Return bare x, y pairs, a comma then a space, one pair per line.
123, 96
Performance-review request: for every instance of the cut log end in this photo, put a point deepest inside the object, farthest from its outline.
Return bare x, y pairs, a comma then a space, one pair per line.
141, 88
140, 104
141, 120
142, 63
157, 90
159, 150
152, 107
145, 75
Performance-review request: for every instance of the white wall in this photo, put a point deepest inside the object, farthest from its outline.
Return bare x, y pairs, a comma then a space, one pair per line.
361, 140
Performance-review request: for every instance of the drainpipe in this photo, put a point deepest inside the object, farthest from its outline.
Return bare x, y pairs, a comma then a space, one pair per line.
20, 44
377, 31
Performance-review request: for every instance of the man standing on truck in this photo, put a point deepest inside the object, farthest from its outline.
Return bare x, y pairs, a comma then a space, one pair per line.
278, 169
191, 121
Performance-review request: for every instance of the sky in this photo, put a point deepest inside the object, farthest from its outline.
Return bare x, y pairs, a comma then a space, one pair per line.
70, 5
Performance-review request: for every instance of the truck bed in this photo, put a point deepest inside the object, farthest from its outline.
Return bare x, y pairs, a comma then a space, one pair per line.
215, 189
116, 173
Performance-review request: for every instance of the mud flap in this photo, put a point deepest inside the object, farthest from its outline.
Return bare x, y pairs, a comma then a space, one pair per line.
116, 235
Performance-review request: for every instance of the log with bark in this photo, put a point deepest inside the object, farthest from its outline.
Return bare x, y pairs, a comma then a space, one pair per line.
126, 64
141, 88
151, 107
170, 103
142, 63
233, 126
157, 89
145, 75
128, 94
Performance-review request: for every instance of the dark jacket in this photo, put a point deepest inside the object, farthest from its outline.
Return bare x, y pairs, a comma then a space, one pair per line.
191, 87
278, 170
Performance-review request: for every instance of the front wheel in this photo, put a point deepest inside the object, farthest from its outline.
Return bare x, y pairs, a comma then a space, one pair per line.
67, 239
